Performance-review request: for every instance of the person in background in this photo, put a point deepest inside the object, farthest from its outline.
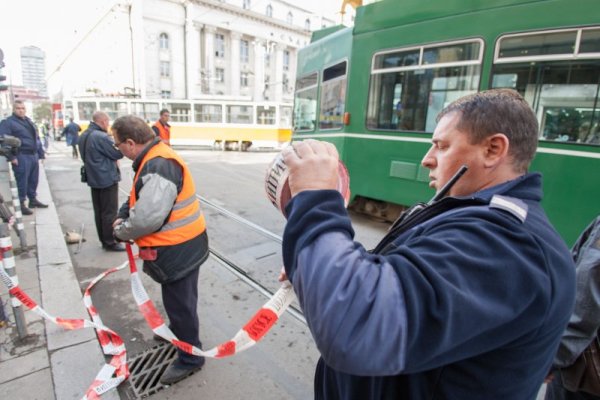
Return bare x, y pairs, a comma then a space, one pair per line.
25, 164
100, 157
44, 135
163, 217
464, 298
585, 321
162, 128
71, 133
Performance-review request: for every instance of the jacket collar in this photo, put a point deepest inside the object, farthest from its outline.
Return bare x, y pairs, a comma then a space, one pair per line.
140, 157
525, 187
95, 127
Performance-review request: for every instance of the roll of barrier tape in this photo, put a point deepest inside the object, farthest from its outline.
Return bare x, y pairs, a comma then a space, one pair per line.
277, 184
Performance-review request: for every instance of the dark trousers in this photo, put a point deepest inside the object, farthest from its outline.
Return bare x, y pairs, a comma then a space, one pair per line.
75, 153
106, 204
180, 299
26, 175
556, 391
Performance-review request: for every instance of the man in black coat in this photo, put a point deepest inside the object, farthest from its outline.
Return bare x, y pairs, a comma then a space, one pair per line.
26, 163
100, 156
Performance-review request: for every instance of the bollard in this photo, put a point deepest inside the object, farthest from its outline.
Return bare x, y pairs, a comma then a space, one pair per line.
8, 261
20, 228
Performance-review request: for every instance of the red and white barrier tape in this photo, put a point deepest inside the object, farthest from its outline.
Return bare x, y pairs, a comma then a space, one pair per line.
116, 371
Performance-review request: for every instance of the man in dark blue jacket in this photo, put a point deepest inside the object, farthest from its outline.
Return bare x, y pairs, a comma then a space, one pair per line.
71, 133
26, 163
100, 156
464, 298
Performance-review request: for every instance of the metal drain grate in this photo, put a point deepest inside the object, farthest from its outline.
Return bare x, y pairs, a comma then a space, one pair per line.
146, 369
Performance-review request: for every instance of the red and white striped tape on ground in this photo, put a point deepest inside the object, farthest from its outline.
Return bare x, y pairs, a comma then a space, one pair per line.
116, 371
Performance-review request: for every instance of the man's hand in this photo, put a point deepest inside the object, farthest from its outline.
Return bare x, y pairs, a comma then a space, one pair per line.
118, 221
282, 275
312, 164
14, 162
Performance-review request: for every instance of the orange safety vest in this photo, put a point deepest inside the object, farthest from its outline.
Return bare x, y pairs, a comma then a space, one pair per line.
164, 132
186, 220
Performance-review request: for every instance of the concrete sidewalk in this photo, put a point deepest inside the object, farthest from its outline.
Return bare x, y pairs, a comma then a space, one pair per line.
50, 363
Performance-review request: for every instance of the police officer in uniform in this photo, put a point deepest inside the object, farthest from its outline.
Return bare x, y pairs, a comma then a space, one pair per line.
26, 164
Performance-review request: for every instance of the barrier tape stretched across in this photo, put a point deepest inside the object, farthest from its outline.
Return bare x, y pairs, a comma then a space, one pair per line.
116, 371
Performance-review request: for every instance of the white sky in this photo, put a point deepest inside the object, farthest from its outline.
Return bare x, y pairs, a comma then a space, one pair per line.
56, 26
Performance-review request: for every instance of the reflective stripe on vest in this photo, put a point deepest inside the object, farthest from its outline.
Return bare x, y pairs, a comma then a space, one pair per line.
186, 220
164, 132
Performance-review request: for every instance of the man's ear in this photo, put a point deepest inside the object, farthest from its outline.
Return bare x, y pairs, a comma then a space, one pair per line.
496, 149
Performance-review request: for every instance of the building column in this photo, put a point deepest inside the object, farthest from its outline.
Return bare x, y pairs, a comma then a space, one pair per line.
259, 70
279, 72
209, 53
192, 47
235, 62
138, 56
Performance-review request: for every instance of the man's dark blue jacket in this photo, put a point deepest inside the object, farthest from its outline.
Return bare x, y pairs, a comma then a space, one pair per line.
469, 302
25, 130
100, 156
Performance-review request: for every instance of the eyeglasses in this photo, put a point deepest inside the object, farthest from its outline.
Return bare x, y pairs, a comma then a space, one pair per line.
119, 143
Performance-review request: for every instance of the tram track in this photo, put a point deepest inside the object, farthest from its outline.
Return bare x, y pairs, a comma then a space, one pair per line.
233, 267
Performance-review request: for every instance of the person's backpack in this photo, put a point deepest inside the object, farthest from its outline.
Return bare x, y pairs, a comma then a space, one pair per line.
584, 374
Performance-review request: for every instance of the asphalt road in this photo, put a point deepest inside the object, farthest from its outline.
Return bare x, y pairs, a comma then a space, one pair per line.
281, 366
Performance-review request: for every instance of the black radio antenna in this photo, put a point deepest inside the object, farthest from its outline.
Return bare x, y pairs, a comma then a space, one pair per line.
440, 195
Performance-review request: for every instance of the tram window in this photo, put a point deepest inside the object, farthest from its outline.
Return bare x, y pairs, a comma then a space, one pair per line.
590, 41
333, 97
424, 93
69, 109
305, 103
538, 44
208, 113
285, 117
265, 115
564, 93
450, 53
397, 59
146, 111
239, 114
86, 109
114, 109
410, 87
180, 112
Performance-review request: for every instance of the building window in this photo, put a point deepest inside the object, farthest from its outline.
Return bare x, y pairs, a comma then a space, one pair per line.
220, 75
219, 45
246, 4
290, 18
244, 79
165, 94
269, 11
286, 60
267, 60
165, 69
244, 51
163, 41
307, 24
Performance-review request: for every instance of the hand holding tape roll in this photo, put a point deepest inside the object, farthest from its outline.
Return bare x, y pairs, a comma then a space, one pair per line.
306, 165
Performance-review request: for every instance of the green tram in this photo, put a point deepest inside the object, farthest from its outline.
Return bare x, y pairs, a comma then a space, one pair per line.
374, 90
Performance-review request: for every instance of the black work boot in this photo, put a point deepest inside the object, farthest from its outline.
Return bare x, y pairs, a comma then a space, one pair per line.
36, 203
25, 210
178, 371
